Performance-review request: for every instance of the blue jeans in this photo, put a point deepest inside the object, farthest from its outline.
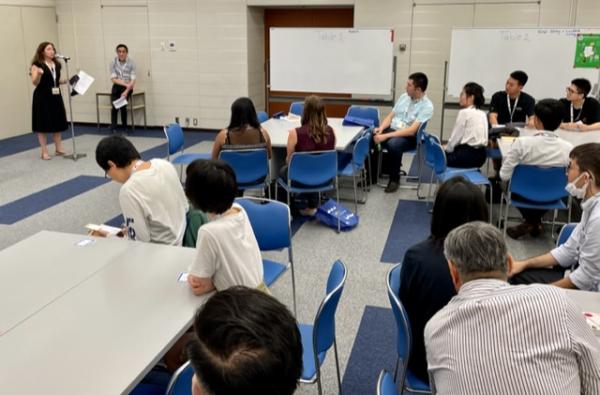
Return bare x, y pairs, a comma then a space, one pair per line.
396, 146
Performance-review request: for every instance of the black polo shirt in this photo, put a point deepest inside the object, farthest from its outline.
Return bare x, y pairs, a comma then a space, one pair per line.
589, 113
524, 108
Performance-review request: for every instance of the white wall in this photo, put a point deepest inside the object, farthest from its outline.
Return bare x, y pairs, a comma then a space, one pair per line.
219, 54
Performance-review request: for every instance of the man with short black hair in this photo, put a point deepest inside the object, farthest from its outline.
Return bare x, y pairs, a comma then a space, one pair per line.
122, 75
545, 148
512, 105
580, 112
397, 132
495, 339
152, 200
245, 342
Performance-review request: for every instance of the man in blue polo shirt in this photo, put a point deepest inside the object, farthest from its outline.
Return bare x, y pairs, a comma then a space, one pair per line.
398, 131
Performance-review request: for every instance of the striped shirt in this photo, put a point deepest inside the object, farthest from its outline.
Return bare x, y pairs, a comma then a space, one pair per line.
494, 338
123, 71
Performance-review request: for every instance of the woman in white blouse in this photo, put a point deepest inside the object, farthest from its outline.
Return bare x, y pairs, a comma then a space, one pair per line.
467, 145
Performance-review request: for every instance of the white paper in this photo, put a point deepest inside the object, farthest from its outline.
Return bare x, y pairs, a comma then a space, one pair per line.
120, 102
85, 81
108, 230
182, 277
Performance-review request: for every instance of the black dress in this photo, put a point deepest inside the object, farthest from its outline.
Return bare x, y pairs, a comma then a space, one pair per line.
48, 111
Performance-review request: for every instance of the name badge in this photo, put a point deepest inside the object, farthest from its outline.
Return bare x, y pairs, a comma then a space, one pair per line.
56, 91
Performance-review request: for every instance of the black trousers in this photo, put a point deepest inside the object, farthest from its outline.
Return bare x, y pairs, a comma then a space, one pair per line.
539, 276
115, 93
397, 146
464, 156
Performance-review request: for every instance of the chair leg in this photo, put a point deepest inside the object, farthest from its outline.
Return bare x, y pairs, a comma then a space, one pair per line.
337, 366
337, 199
506, 216
491, 204
370, 178
355, 195
499, 223
396, 368
318, 373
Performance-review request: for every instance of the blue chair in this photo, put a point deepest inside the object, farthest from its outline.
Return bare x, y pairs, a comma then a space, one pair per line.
435, 157
175, 143
270, 222
365, 112
262, 116
565, 233
318, 337
386, 384
312, 171
538, 187
251, 167
408, 381
297, 108
356, 167
181, 382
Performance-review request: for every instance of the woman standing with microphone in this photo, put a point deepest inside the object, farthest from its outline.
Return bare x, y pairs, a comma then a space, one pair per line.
48, 110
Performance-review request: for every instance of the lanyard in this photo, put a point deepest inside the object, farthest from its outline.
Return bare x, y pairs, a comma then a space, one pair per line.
511, 111
580, 111
53, 72
119, 68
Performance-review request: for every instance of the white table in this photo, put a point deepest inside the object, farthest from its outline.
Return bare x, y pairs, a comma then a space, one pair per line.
574, 137
587, 301
278, 131
105, 331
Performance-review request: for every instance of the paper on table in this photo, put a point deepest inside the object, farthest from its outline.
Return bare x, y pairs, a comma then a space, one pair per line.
510, 139
593, 320
84, 82
109, 230
120, 102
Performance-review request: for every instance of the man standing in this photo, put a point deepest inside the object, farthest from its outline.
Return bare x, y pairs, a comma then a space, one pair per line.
493, 338
122, 75
580, 112
583, 246
544, 148
512, 105
398, 130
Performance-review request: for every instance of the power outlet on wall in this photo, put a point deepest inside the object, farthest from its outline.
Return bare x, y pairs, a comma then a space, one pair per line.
176, 119
195, 122
187, 121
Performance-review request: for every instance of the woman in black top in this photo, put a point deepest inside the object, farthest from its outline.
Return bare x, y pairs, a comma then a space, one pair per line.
48, 111
425, 282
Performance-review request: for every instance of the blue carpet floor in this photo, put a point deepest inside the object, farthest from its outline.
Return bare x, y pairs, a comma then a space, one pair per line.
20, 209
410, 225
374, 349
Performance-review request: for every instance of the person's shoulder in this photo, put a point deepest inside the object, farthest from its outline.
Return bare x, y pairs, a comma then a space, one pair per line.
593, 102
498, 95
527, 97
425, 248
564, 102
427, 101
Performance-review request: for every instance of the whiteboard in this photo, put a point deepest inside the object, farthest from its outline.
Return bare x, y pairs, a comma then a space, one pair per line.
488, 56
331, 60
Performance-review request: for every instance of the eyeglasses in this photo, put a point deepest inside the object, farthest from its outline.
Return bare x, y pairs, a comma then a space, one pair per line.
571, 90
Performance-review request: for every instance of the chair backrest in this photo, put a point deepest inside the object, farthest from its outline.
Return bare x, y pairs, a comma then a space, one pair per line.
385, 384
365, 112
404, 337
297, 108
251, 166
539, 184
435, 157
565, 233
270, 221
313, 168
361, 150
181, 382
262, 116
324, 325
174, 135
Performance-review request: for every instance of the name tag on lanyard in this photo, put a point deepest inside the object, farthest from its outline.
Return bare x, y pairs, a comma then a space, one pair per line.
56, 90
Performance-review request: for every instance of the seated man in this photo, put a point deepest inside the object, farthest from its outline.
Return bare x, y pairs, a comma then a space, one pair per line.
152, 200
545, 148
494, 338
583, 246
580, 112
245, 342
512, 105
227, 250
399, 129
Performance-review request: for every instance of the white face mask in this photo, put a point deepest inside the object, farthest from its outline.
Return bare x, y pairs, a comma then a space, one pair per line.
579, 193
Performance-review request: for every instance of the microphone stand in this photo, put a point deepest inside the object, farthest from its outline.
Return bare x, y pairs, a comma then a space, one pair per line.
74, 155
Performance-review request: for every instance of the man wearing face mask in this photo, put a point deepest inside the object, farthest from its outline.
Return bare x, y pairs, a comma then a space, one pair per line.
583, 246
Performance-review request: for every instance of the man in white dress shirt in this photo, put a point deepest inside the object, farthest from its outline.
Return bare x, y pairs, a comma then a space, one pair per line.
545, 148
494, 338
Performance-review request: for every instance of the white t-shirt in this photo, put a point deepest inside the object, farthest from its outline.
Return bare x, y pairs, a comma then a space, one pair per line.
154, 205
471, 128
228, 253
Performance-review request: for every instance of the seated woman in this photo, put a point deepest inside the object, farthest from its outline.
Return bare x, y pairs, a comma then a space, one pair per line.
227, 250
425, 282
467, 145
313, 135
244, 130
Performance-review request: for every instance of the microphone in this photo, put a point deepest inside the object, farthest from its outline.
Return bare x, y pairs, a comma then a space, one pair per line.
59, 56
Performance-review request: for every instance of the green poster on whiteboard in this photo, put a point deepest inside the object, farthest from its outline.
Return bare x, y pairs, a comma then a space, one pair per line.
587, 51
